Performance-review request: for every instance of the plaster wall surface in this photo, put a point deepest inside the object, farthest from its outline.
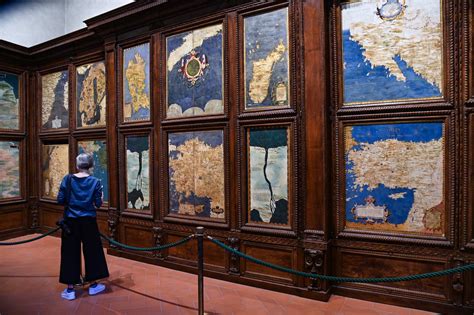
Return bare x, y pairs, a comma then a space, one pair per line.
31, 22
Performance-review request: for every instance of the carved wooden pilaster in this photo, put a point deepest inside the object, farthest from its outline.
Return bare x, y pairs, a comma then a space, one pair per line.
158, 236
314, 260
234, 264
34, 216
458, 283
112, 223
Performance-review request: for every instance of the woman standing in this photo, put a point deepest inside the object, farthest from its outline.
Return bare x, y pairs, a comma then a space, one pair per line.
80, 216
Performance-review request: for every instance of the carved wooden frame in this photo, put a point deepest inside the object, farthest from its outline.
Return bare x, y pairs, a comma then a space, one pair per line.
293, 174
216, 19
123, 202
176, 218
292, 68
448, 120
121, 47
22, 87
448, 61
39, 86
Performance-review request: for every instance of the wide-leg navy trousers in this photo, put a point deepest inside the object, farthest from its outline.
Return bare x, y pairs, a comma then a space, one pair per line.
85, 230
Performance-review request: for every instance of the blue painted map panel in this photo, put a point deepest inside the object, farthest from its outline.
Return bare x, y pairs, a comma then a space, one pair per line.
136, 83
98, 149
392, 50
395, 177
194, 70
266, 59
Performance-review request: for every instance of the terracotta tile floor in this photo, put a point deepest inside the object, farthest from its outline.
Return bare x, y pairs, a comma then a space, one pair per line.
29, 285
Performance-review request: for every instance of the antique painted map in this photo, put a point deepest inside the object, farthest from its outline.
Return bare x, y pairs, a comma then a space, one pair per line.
395, 177
268, 175
136, 83
9, 101
55, 100
196, 174
194, 73
55, 165
392, 50
91, 95
138, 172
266, 59
9, 169
98, 149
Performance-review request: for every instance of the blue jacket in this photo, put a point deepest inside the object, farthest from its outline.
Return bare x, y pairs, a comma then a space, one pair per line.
86, 196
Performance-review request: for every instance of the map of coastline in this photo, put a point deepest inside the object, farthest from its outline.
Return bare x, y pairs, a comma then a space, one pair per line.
401, 167
392, 59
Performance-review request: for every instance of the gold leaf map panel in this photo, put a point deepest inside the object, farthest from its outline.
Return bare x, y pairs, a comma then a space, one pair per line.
91, 95
55, 165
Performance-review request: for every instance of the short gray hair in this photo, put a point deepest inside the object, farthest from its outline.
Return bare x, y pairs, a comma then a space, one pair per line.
84, 161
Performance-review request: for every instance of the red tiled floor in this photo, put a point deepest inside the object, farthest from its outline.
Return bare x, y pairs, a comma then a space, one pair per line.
29, 285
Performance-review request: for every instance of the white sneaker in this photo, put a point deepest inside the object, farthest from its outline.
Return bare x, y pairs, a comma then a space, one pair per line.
68, 295
97, 289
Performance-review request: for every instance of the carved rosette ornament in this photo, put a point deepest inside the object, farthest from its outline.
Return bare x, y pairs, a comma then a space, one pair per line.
234, 265
158, 236
314, 260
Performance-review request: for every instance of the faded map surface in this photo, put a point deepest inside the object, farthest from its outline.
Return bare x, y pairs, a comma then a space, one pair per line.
98, 149
55, 165
91, 95
268, 175
396, 169
266, 59
9, 101
194, 73
136, 83
9, 169
196, 172
388, 59
55, 100
138, 172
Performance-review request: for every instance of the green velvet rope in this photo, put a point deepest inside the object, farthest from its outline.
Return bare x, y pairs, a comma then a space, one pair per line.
31, 239
344, 279
149, 249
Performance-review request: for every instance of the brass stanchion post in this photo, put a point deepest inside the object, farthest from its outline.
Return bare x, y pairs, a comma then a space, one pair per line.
200, 241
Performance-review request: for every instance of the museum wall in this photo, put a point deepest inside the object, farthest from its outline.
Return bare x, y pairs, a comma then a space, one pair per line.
327, 137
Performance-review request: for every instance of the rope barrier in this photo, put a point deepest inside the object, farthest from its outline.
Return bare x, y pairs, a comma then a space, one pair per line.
343, 279
149, 249
31, 239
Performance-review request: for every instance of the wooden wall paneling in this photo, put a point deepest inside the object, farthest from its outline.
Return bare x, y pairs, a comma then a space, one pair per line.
13, 220
30, 154
429, 294
232, 85
468, 217
315, 123
275, 254
157, 90
112, 140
